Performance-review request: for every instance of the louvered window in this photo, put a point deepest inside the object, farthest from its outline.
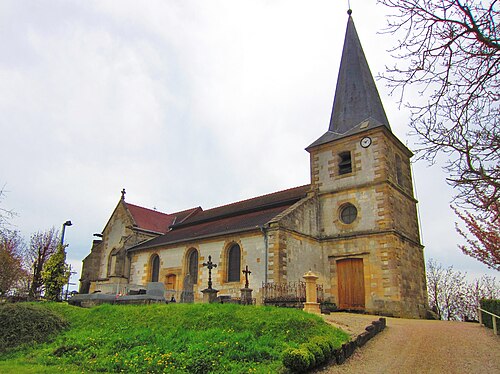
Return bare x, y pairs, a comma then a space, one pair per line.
345, 164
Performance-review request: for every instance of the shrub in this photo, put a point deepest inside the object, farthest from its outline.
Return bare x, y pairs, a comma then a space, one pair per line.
23, 323
492, 306
315, 352
326, 346
298, 360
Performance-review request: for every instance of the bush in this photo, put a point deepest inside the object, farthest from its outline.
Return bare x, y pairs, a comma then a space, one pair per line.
298, 360
23, 323
314, 353
492, 306
326, 346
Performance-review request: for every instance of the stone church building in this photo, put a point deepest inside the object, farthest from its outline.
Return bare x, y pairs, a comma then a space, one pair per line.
355, 225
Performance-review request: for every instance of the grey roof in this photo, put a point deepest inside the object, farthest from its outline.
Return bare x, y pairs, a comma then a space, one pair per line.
357, 106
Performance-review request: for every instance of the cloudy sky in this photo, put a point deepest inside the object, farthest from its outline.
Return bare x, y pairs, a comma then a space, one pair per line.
183, 103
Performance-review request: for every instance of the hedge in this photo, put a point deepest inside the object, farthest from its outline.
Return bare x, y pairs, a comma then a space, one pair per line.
492, 306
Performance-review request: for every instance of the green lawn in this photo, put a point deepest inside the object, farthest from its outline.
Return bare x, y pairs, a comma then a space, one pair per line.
173, 338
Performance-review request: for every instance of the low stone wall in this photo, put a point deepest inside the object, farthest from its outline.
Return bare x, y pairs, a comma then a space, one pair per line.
347, 349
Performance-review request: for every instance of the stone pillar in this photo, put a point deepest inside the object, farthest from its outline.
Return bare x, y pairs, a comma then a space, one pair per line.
246, 296
311, 305
209, 295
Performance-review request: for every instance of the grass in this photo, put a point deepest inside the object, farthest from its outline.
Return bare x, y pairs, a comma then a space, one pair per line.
174, 338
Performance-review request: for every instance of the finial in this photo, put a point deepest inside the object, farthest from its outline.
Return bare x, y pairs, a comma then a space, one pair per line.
123, 194
349, 11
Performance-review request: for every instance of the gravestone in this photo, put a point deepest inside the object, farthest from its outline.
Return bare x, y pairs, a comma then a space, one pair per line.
187, 294
155, 289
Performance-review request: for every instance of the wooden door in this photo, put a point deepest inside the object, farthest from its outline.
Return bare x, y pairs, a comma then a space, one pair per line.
351, 285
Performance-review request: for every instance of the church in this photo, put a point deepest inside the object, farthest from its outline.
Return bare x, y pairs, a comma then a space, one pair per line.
355, 225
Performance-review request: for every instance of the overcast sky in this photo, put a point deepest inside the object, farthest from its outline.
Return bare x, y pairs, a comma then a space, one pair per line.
183, 103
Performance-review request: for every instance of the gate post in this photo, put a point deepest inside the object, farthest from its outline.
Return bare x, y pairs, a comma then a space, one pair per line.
311, 305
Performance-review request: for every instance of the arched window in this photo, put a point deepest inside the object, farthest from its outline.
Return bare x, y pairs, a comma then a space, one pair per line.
234, 263
155, 268
193, 265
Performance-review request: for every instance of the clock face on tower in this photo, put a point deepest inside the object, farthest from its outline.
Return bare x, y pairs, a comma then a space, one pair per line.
366, 142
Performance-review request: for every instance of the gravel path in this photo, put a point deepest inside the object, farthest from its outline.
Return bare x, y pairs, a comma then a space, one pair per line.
418, 346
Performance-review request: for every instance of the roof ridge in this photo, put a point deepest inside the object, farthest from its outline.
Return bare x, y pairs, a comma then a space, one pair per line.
254, 198
151, 210
186, 210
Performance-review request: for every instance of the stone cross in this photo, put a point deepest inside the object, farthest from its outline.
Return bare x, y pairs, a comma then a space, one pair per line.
123, 194
210, 265
247, 273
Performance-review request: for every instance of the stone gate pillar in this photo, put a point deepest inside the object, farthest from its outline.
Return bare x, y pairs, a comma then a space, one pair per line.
311, 305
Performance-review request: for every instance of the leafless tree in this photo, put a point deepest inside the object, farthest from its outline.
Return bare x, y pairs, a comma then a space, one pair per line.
449, 50
454, 298
43, 244
5, 214
485, 287
445, 287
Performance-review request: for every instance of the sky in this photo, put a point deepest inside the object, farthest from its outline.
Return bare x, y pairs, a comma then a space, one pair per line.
182, 103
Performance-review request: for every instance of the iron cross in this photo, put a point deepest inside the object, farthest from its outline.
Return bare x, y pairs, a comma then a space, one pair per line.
246, 272
210, 265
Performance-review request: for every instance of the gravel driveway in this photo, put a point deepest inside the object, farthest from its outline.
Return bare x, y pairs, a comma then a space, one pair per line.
419, 346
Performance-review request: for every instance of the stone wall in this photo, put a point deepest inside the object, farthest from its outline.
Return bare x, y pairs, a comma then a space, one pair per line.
173, 261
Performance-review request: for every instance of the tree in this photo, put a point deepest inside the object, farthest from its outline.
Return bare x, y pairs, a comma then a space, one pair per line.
449, 50
454, 298
5, 214
444, 287
11, 266
55, 274
43, 244
483, 239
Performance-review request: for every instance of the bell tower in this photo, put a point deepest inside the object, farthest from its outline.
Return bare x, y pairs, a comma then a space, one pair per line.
360, 173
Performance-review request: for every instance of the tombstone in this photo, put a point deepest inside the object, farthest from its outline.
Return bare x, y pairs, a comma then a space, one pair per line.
246, 292
209, 294
155, 289
187, 294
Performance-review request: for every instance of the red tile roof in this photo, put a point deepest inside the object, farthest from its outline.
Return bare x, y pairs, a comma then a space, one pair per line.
242, 216
153, 220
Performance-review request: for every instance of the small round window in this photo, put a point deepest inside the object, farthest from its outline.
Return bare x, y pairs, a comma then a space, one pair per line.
348, 213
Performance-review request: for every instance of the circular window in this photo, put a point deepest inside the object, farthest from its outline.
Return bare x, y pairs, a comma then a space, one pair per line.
348, 213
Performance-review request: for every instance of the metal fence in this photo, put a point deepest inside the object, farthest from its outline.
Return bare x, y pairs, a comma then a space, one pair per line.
290, 292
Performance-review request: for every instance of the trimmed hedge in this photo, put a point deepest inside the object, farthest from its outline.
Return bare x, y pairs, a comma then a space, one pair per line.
22, 323
320, 349
492, 306
314, 353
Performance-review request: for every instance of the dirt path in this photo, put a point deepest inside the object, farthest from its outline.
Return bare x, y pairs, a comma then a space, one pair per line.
416, 346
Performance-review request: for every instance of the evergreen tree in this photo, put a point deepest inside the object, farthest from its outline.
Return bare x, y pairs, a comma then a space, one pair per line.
55, 274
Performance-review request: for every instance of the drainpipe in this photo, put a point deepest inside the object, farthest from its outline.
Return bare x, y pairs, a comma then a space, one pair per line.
264, 232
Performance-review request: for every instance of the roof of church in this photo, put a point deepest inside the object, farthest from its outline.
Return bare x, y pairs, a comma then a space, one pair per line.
153, 220
241, 216
357, 106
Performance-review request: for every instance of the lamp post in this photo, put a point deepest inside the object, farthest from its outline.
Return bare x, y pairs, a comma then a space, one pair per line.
67, 223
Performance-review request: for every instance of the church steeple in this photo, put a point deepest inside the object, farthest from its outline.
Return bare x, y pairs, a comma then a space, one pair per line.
357, 105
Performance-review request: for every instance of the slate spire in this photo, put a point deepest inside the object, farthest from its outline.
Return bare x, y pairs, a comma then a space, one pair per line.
357, 105
356, 95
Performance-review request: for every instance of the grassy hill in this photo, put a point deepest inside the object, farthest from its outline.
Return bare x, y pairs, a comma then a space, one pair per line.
173, 338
